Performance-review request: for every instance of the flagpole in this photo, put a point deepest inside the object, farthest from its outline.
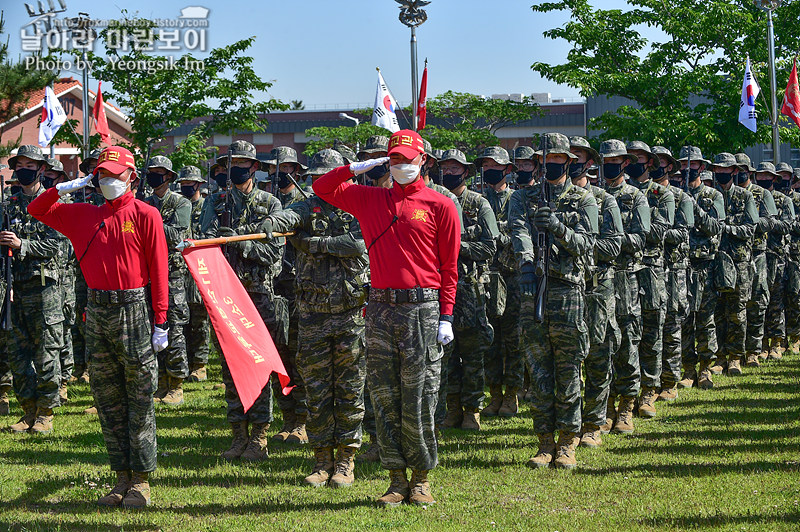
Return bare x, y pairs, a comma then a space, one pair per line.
412, 15
776, 140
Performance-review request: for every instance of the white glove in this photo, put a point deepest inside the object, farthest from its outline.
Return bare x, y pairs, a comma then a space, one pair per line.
445, 335
360, 167
72, 186
160, 340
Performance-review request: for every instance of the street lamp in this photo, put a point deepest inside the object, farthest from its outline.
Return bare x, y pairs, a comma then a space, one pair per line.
357, 121
412, 15
769, 6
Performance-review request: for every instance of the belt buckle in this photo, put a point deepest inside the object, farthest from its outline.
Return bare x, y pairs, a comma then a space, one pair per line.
114, 297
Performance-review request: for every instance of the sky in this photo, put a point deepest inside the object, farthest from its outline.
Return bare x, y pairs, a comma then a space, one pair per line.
325, 52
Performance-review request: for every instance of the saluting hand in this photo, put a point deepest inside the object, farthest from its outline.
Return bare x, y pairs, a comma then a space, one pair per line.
360, 167
74, 185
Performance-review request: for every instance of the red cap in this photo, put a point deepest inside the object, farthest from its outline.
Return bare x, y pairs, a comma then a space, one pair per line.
116, 160
407, 143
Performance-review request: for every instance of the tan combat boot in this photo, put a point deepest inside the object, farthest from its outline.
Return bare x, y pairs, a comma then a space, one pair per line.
28, 417
689, 377
624, 424
163, 387
752, 360
494, 405
174, 395
298, 435
198, 373
590, 436
115, 496
323, 467
92, 411
420, 489
668, 393
775, 349
84, 377
239, 443
720, 365
256, 450
289, 422
762, 356
472, 419
704, 381
62, 394
44, 421
344, 468
734, 366
454, 415
138, 495
794, 344
5, 406
565, 450
611, 415
398, 489
510, 406
372, 454
547, 449
647, 402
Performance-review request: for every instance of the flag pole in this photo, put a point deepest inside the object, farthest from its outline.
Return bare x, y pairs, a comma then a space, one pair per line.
776, 139
412, 15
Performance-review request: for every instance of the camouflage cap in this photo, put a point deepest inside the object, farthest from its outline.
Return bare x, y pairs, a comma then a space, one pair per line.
345, 151
695, 153
239, 149
191, 173
723, 160
204, 191
796, 175
615, 148
458, 156
93, 156
743, 160
497, 154
767, 167
437, 154
428, 149
285, 154
638, 145
706, 175
215, 169
324, 161
376, 143
266, 163
524, 153
54, 165
583, 144
159, 161
661, 151
26, 150
783, 167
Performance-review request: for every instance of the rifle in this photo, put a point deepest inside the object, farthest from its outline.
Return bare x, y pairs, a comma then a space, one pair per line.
542, 244
688, 168
143, 173
5, 319
226, 214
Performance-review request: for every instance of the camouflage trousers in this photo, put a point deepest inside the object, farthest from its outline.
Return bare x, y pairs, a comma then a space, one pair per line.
775, 323
295, 402
5, 369
67, 355
757, 304
123, 374
368, 423
555, 350
604, 339
731, 315
173, 360
677, 310
792, 296
403, 372
699, 330
36, 340
626, 371
653, 298
504, 364
197, 333
332, 362
79, 327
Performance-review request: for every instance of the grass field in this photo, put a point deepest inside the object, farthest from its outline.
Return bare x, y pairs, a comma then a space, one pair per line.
726, 459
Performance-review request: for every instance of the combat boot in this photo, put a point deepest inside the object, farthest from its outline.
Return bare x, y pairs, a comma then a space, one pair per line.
420, 489
472, 419
565, 450
256, 450
77, 372
752, 360
84, 376
92, 411
689, 377
163, 387
590, 436
239, 443
775, 349
138, 495
704, 381
647, 402
494, 405
510, 406
734, 366
298, 435
794, 344
611, 415
764, 350
174, 395
544, 455
5, 407
398, 489
198, 373
44, 421
63, 398
28, 417
323, 467
668, 393
719, 365
289, 421
624, 424
344, 468
454, 415
372, 454
117, 493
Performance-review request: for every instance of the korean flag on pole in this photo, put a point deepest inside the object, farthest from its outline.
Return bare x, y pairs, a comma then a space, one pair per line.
750, 90
384, 114
53, 117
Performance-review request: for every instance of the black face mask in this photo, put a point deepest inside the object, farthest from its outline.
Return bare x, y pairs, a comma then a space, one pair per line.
658, 173
283, 179
555, 170
765, 183
782, 185
576, 169
47, 182
95, 180
451, 181
377, 172
524, 178
690, 173
222, 180
676, 182
723, 179
636, 170
493, 176
155, 180
26, 176
437, 178
239, 175
612, 170
187, 191
742, 177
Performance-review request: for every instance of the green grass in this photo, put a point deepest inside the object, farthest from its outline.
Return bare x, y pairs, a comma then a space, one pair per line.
726, 459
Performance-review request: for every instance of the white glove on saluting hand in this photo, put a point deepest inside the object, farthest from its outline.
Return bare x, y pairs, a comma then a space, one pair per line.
360, 167
160, 340
445, 335
72, 186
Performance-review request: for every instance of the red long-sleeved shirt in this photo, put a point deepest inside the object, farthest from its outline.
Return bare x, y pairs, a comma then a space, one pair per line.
128, 252
419, 249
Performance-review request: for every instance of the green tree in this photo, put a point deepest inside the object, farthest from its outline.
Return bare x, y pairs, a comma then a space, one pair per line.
698, 50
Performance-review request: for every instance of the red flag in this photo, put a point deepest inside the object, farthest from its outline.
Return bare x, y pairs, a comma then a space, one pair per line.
423, 95
99, 114
246, 344
791, 98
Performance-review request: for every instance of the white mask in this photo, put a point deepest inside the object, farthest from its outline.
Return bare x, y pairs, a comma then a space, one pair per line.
112, 188
404, 173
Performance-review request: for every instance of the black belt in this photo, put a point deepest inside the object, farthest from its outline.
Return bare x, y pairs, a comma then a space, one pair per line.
411, 295
116, 297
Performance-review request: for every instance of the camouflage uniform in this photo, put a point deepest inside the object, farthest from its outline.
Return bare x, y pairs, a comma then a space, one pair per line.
792, 290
